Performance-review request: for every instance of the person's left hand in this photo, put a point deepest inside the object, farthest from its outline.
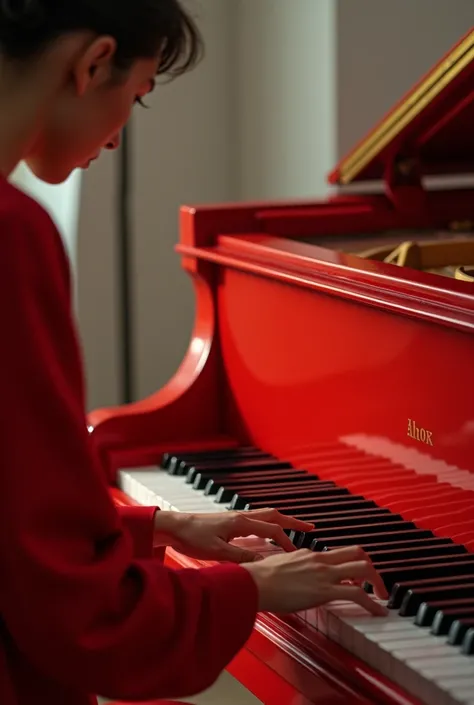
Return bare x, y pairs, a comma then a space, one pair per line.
207, 536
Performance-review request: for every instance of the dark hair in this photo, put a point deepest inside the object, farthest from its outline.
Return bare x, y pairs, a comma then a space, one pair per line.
142, 29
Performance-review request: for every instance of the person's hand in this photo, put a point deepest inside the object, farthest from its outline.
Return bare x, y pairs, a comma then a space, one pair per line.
305, 579
207, 536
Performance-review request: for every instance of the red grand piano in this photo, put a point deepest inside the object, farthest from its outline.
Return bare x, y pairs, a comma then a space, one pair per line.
337, 338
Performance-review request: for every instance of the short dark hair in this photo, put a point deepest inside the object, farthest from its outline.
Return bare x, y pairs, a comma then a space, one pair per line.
142, 29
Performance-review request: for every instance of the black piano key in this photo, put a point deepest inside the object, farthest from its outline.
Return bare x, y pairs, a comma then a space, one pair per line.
260, 490
210, 483
431, 541
414, 598
323, 521
457, 566
397, 553
240, 465
357, 523
445, 618
467, 647
388, 525
290, 506
238, 499
243, 470
428, 611
241, 499
268, 482
171, 460
458, 630
343, 513
427, 560
226, 494
401, 587
313, 517
320, 544
357, 515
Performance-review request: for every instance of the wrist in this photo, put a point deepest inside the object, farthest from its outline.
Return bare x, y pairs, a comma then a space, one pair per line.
259, 574
166, 526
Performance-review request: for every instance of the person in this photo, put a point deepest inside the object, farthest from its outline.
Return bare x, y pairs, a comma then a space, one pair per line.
85, 608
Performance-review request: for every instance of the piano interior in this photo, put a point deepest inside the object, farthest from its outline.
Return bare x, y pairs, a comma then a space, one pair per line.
449, 253
330, 374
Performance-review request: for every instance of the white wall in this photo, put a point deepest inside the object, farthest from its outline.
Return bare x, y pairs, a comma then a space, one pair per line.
286, 108
287, 87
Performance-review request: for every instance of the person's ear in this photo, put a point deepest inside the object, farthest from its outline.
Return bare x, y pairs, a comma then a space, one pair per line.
94, 66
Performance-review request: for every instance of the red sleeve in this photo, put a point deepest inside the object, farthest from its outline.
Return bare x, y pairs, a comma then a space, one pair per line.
76, 602
139, 522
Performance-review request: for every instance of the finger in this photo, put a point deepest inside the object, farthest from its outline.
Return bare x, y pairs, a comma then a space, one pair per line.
286, 522
351, 554
235, 554
252, 527
361, 570
357, 595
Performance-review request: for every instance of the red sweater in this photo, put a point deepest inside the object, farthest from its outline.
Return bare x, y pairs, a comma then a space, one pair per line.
83, 608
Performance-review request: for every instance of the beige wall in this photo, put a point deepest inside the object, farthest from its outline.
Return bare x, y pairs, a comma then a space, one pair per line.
286, 88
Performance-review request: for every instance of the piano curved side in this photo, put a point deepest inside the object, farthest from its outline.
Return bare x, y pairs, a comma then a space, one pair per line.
137, 432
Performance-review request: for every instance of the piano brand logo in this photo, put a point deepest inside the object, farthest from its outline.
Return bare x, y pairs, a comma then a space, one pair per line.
419, 434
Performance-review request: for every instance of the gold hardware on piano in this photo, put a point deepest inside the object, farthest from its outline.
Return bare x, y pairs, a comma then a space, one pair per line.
465, 274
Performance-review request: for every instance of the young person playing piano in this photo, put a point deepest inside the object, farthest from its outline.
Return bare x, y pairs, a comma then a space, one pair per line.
84, 608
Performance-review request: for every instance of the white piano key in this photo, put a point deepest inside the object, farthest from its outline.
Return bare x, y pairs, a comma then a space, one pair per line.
152, 486
399, 649
312, 617
449, 667
466, 681
463, 696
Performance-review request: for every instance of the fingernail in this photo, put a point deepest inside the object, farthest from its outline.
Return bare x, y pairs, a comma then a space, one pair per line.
258, 557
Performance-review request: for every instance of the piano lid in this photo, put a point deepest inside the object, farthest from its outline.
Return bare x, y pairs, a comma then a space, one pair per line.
432, 127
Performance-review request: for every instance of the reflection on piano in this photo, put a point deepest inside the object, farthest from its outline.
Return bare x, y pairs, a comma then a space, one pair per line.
338, 387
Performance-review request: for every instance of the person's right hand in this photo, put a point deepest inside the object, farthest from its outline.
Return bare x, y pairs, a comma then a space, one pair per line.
290, 582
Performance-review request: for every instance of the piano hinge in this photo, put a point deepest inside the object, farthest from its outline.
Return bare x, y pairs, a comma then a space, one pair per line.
403, 184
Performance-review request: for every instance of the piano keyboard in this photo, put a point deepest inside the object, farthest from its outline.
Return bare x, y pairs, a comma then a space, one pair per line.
426, 643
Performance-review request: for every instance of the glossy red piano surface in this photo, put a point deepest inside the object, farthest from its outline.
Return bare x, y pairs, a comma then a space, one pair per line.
297, 347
